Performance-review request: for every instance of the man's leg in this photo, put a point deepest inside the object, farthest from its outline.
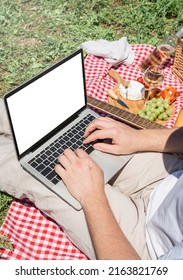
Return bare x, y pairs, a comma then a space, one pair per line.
137, 180
144, 172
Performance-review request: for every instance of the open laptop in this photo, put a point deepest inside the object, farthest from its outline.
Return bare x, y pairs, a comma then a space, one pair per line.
42, 113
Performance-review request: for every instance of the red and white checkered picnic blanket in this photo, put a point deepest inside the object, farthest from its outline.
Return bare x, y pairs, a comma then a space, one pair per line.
98, 82
35, 236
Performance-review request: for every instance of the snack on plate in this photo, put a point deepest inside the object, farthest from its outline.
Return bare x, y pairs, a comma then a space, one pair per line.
134, 91
156, 109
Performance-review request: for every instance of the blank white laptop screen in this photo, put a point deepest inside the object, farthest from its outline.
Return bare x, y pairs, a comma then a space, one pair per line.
41, 106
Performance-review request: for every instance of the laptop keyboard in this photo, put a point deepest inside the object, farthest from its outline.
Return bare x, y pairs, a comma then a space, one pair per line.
45, 161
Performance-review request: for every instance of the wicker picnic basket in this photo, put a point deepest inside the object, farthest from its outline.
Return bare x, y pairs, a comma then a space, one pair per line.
178, 60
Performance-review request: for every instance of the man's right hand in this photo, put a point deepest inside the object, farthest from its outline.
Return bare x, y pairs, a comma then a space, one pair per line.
127, 140
124, 138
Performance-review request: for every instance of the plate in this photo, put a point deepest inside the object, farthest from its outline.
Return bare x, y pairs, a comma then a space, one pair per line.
135, 91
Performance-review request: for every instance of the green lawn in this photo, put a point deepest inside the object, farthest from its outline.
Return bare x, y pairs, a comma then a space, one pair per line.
36, 33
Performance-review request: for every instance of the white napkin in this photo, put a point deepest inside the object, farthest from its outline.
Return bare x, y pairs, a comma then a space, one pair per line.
114, 52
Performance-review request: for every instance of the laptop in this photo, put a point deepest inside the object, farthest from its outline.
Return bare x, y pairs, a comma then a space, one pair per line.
49, 113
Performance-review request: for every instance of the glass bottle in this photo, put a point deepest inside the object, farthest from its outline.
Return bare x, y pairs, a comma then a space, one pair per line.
169, 44
162, 51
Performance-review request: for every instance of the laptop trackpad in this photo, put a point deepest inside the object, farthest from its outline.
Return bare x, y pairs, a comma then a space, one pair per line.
109, 163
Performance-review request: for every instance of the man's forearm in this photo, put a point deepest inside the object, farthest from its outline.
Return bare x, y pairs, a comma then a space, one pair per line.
161, 140
107, 237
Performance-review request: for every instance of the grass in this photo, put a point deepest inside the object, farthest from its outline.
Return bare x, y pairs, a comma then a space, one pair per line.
5, 201
36, 33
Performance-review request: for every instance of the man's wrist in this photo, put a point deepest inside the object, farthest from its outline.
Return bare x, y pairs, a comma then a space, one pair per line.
150, 140
94, 199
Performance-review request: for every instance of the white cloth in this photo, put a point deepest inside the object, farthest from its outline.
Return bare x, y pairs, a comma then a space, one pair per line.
164, 219
114, 52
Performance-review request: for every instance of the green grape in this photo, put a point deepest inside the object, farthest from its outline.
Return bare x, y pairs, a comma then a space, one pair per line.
143, 110
154, 116
160, 117
166, 105
147, 107
151, 118
154, 105
150, 102
158, 103
141, 114
153, 110
165, 117
153, 100
157, 111
161, 109
156, 108
168, 112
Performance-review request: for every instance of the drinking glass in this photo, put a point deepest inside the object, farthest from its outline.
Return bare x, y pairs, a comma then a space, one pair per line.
153, 78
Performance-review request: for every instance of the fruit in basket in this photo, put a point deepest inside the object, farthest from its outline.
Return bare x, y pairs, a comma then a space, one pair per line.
170, 93
156, 109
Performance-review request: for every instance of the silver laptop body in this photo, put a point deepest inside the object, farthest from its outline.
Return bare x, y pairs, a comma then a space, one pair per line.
43, 110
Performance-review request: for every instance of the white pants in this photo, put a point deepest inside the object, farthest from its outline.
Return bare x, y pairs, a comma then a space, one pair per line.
128, 193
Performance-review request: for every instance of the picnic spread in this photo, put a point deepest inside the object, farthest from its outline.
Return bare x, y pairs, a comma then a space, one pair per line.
33, 235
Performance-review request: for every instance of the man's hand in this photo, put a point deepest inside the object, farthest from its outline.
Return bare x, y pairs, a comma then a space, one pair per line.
82, 176
124, 138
